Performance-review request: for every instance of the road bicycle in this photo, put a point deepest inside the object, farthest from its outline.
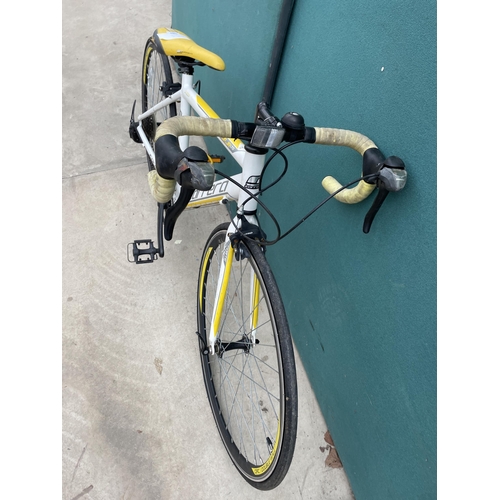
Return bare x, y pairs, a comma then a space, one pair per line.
245, 344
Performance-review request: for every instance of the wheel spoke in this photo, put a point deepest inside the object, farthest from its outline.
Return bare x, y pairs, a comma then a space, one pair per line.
241, 373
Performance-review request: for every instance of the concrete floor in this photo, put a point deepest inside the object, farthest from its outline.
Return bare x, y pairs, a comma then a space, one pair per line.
136, 421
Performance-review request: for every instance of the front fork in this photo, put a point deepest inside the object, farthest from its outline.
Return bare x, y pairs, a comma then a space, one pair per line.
232, 251
223, 281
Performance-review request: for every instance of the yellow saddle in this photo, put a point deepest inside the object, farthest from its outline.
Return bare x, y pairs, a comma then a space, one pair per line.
175, 43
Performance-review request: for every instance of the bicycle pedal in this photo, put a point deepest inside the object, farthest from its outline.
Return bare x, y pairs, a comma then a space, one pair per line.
143, 252
217, 158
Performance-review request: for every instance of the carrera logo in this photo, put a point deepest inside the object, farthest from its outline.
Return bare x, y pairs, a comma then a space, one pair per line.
253, 182
216, 189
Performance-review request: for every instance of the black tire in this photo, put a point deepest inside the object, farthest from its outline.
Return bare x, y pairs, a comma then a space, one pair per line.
156, 77
252, 387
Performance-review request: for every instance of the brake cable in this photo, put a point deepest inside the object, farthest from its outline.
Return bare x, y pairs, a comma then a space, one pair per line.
268, 211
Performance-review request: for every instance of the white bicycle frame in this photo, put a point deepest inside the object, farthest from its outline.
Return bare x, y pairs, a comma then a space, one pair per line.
251, 170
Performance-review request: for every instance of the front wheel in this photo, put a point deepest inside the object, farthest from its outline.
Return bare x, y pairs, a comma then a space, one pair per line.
250, 378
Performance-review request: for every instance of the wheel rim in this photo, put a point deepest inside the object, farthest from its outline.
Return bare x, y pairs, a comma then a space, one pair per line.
157, 76
155, 83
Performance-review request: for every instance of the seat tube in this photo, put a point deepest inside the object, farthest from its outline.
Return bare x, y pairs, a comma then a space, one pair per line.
185, 108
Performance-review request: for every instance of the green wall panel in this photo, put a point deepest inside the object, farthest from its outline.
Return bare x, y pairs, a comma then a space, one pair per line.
362, 308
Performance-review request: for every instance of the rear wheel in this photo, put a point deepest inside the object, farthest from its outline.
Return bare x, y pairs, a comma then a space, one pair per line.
157, 83
250, 378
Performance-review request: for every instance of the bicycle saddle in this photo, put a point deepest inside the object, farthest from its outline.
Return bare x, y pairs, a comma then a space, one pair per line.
175, 44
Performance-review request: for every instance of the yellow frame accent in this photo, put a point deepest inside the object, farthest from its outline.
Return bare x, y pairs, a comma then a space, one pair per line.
222, 294
208, 201
206, 108
255, 302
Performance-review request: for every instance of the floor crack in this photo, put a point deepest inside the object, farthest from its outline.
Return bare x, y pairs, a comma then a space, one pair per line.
84, 492
78, 463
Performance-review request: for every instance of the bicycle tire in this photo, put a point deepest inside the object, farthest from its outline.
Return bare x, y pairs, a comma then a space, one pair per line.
156, 77
252, 387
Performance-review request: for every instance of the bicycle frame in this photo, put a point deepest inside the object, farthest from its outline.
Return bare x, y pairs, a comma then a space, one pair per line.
251, 170
251, 164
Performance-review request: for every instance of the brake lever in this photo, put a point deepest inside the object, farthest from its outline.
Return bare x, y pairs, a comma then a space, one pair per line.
195, 173
391, 178
173, 211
